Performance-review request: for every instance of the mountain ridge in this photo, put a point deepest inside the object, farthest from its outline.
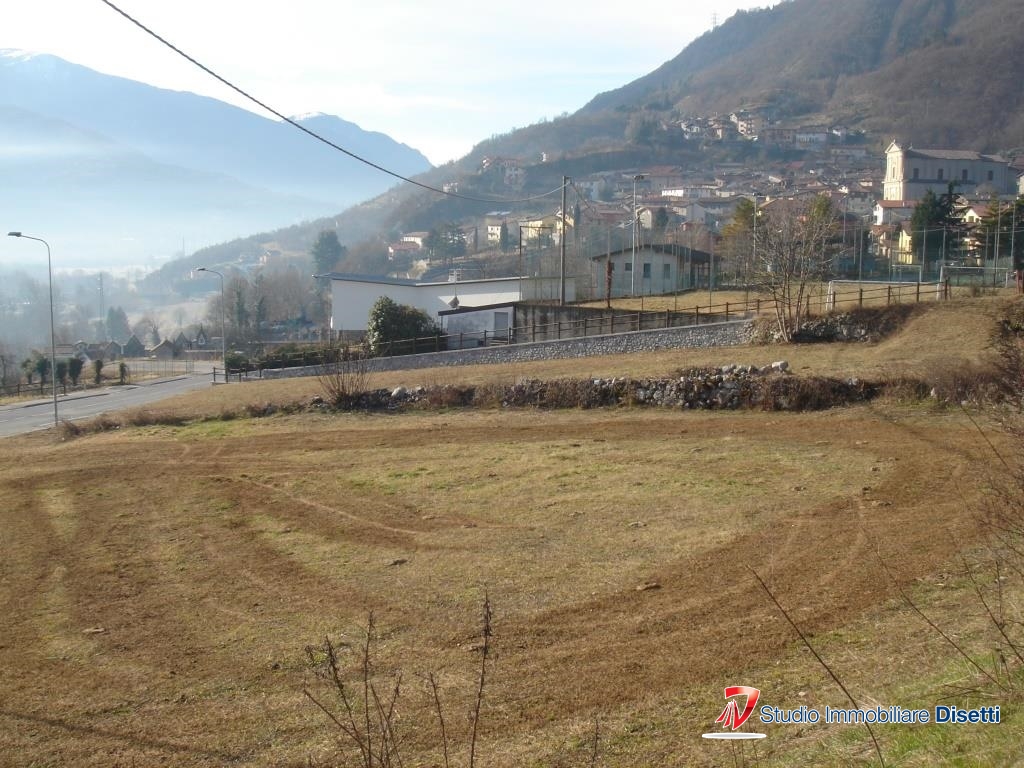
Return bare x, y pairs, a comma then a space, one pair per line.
255, 173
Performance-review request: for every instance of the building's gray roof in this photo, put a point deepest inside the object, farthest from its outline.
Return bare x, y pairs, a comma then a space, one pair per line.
954, 154
384, 280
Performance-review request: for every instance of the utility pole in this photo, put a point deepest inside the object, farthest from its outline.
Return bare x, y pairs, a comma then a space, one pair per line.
521, 297
1013, 253
608, 268
561, 248
753, 260
711, 269
999, 227
103, 312
632, 278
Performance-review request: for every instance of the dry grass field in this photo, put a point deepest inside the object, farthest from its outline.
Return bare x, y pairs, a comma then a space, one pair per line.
159, 585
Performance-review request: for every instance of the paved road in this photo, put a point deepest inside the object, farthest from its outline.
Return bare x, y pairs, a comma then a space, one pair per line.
38, 414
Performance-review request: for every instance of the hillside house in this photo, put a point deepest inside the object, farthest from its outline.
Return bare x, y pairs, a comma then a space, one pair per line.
664, 177
694, 129
416, 238
403, 250
892, 211
165, 350
493, 222
133, 347
810, 138
777, 136
544, 229
749, 124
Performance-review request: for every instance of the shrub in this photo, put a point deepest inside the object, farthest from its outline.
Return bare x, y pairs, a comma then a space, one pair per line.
343, 382
811, 393
957, 381
450, 396
390, 322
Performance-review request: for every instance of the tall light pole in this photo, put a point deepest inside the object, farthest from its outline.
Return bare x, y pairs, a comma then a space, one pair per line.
223, 324
752, 263
632, 277
53, 340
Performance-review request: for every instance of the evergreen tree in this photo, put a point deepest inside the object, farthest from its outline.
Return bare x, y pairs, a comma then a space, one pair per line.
327, 251
933, 227
75, 366
62, 374
389, 322
42, 367
503, 242
118, 327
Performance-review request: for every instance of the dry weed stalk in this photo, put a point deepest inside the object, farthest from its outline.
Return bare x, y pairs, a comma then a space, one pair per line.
366, 722
935, 627
343, 381
484, 653
821, 661
440, 717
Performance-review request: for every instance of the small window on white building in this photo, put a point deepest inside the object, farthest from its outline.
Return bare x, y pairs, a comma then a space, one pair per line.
942, 173
915, 174
647, 270
629, 266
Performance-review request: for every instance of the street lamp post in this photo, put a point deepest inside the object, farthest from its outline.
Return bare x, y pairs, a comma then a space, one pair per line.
632, 277
53, 340
223, 324
752, 263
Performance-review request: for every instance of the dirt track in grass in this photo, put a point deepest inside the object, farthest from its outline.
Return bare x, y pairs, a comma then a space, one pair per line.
158, 586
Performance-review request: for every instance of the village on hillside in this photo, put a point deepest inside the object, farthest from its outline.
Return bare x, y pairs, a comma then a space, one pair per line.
874, 193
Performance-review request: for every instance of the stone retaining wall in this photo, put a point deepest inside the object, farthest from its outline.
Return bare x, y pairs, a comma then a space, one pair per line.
711, 335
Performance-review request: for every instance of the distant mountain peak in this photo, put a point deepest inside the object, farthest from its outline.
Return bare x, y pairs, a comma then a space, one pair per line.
160, 161
16, 54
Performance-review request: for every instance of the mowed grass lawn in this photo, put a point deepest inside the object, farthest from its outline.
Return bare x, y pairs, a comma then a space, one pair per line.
159, 586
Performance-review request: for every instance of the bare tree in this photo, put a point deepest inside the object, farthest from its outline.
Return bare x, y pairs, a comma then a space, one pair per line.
795, 248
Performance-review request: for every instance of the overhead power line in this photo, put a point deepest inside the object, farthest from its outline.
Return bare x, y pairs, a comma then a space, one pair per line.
306, 130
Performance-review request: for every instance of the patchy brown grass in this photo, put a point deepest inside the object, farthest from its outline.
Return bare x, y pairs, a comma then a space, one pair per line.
210, 555
159, 584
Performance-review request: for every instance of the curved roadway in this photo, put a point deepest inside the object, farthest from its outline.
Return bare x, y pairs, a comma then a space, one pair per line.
19, 418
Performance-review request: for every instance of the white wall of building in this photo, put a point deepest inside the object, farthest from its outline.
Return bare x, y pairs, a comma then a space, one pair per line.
353, 297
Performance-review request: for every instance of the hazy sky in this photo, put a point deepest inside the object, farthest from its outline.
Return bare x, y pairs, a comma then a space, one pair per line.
438, 75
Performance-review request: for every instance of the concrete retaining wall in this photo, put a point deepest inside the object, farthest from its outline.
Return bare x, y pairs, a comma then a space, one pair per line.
711, 335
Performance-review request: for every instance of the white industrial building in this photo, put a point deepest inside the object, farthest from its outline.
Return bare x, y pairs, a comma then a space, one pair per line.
352, 296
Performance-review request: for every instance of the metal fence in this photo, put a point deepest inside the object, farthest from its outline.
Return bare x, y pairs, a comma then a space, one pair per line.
857, 294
